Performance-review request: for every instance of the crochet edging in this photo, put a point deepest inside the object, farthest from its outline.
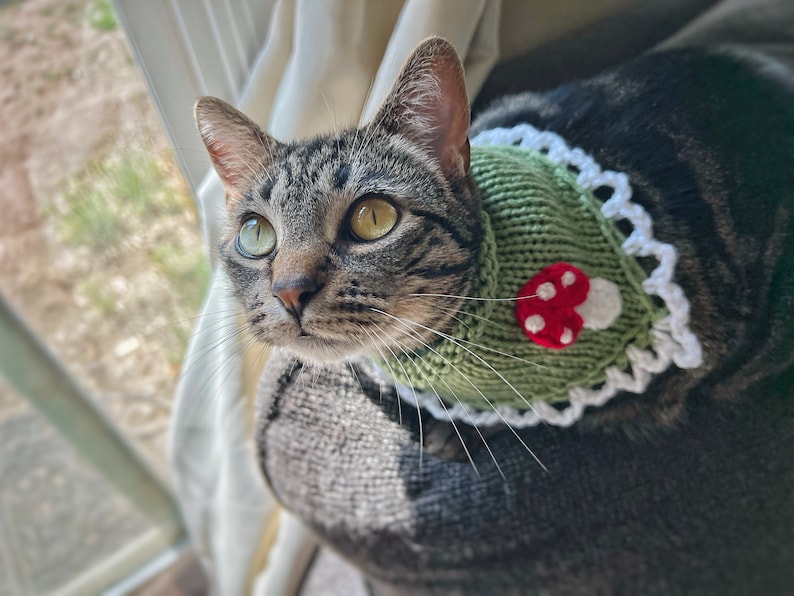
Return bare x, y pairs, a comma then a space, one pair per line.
673, 340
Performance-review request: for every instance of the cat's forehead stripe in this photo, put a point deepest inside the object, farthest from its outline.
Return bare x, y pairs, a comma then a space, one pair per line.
267, 188
373, 177
341, 175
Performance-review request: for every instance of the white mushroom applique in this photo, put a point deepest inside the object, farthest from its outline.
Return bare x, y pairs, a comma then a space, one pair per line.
555, 305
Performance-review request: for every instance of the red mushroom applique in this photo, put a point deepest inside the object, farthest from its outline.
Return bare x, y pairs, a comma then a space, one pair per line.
556, 304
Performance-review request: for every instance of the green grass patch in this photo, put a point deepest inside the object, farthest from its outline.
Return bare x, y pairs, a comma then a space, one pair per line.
116, 196
131, 209
101, 15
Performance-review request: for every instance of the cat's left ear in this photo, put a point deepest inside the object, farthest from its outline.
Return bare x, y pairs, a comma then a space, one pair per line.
239, 149
428, 104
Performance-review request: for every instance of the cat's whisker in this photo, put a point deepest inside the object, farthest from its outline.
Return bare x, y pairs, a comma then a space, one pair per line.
245, 352
416, 399
368, 95
365, 349
241, 334
353, 148
467, 350
355, 376
317, 377
474, 298
168, 342
332, 116
363, 142
404, 322
452, 313
197, 365
211, 349
301, 374
488, 401
440, 401
500, 353
451, 419
306, 369
216, 377
204, 356
203, 315
466, 410
399, 399
483, 319
369, 130
468, 314
292, 367
353, 145
223, 315
483, 347
219, 325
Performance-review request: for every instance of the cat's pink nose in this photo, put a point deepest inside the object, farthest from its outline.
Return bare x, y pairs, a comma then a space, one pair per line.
294, 293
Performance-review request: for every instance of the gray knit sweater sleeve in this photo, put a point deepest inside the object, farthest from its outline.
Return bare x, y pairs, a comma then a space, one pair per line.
704, 508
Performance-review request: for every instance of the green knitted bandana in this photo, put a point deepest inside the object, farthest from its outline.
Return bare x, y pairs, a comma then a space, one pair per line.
561, 311
534, 215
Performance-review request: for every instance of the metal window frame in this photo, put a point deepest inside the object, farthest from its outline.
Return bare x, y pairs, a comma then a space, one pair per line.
34, 370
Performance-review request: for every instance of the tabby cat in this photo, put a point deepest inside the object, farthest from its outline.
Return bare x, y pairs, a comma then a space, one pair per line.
370, 242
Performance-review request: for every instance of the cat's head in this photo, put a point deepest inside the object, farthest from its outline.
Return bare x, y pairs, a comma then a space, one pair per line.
332, 242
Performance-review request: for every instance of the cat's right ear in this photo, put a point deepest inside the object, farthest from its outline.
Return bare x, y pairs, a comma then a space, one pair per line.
429, 106
239, 149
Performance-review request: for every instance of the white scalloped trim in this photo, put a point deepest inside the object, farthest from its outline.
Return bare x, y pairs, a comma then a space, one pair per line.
673, 341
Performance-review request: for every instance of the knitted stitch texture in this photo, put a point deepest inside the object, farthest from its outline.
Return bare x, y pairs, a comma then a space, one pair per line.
534, 215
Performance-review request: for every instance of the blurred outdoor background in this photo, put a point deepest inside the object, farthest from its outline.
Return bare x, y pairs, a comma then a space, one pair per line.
101, 254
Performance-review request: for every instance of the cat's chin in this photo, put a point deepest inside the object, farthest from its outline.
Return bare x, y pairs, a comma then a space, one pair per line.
316, 350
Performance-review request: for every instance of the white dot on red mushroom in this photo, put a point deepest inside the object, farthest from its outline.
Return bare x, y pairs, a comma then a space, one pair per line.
568, 278
534, 323
567, 336
546, 291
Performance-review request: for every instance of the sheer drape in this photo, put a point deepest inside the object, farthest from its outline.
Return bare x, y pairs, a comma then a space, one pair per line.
326, 64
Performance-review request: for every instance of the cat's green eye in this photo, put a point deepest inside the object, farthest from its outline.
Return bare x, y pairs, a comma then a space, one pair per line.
256, 237
372, 218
